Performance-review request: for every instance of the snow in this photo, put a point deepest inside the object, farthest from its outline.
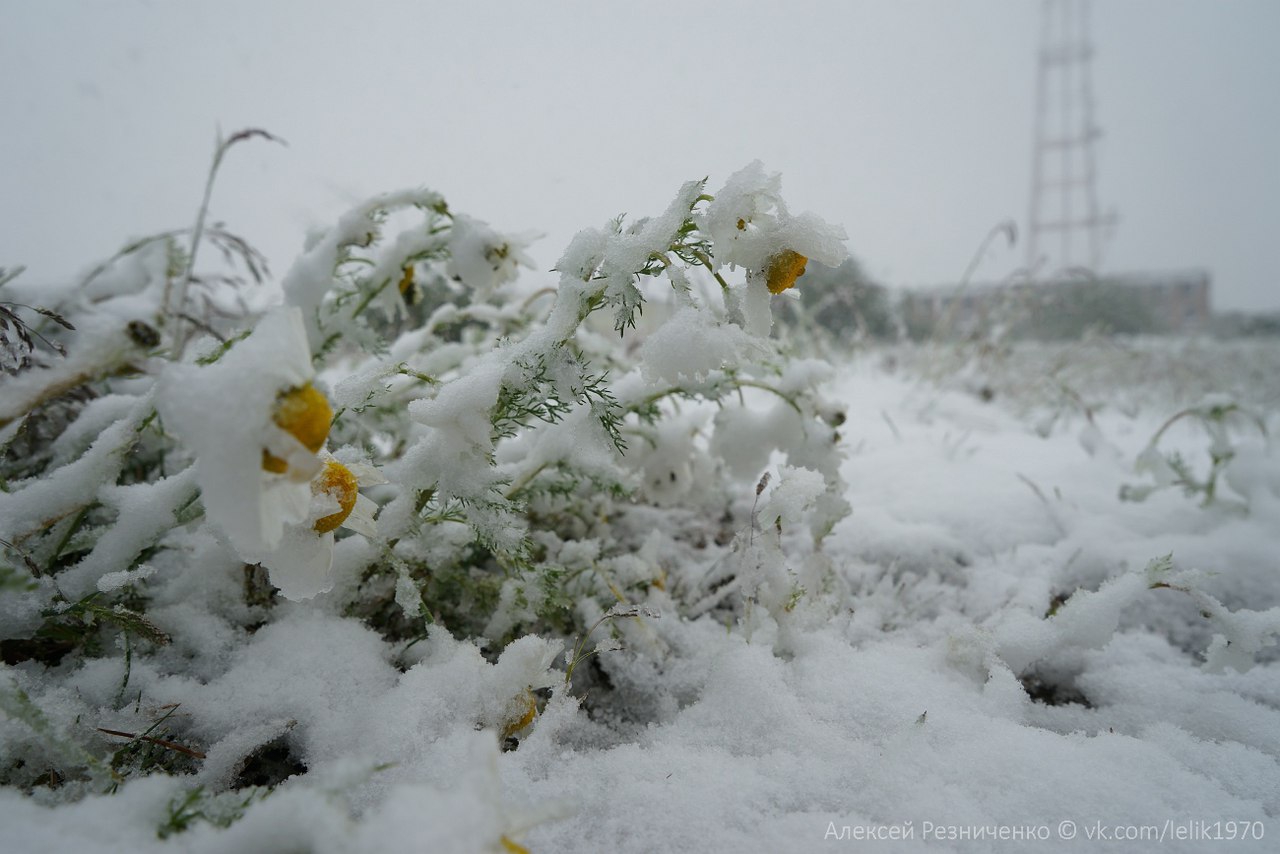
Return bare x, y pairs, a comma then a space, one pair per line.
482, 258
312, 274
35, 502
903, 707
145, 512
689, 346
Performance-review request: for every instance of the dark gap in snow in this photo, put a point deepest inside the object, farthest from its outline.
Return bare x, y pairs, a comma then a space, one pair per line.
49, 651
1050, 692
269, 765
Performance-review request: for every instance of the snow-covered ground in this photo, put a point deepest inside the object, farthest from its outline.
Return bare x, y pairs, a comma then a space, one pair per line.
1005, 676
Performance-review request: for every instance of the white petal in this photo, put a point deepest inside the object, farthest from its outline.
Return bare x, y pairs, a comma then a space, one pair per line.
300, 565
286, 330
365, 474
302, 464
284, 503
360, 519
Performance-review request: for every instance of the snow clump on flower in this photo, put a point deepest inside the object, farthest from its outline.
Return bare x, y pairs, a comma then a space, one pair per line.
750, 227
226, 413
749, 224
483, 259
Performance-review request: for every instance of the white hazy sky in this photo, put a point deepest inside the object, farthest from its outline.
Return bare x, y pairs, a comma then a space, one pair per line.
908, 121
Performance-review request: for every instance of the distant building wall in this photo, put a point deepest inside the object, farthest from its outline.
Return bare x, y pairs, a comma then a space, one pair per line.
1180, 301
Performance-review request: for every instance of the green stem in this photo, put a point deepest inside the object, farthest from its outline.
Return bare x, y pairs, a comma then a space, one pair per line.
534, 297
71, 530
524, 481
368, 298
656, 396
404, 370
706, 262
764, 387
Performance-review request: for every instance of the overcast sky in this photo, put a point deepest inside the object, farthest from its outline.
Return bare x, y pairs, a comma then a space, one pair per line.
907, 121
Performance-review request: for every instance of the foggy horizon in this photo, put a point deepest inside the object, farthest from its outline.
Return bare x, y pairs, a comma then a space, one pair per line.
909, 123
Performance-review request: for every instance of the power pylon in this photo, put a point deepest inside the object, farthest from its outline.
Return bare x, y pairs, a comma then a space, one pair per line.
1064, 174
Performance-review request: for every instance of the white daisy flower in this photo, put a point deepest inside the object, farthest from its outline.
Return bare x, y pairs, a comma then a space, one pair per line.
254, 421
482, 258
750, 227
300, 565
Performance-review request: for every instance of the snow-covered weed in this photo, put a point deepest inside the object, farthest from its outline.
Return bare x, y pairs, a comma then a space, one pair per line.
1223, 421
412, 441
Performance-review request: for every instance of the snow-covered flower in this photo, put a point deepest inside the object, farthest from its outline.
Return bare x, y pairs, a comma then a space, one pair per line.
299, 565
750, 226
340, 483
783, 269
254, 422
523, 711
483, 258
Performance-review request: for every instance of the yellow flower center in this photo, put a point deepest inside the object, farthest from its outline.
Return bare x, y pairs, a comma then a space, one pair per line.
783, 269
406, 286
526, 711
304, 413
339, 483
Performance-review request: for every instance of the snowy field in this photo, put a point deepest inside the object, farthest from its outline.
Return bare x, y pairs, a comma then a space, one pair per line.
905, 711
992, 650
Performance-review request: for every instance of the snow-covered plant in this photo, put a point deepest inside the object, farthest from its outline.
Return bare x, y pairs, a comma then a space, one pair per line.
1223, 422
514, 434
17, 339
413, 438
1089, 620
1238, 635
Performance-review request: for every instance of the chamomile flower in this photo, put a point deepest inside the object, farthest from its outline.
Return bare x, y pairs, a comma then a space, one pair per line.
750, 227
482, 258
300, 565
783, 269
340, 483
254, 408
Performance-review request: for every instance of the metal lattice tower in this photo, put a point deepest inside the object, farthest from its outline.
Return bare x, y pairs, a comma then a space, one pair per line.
1064, 196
